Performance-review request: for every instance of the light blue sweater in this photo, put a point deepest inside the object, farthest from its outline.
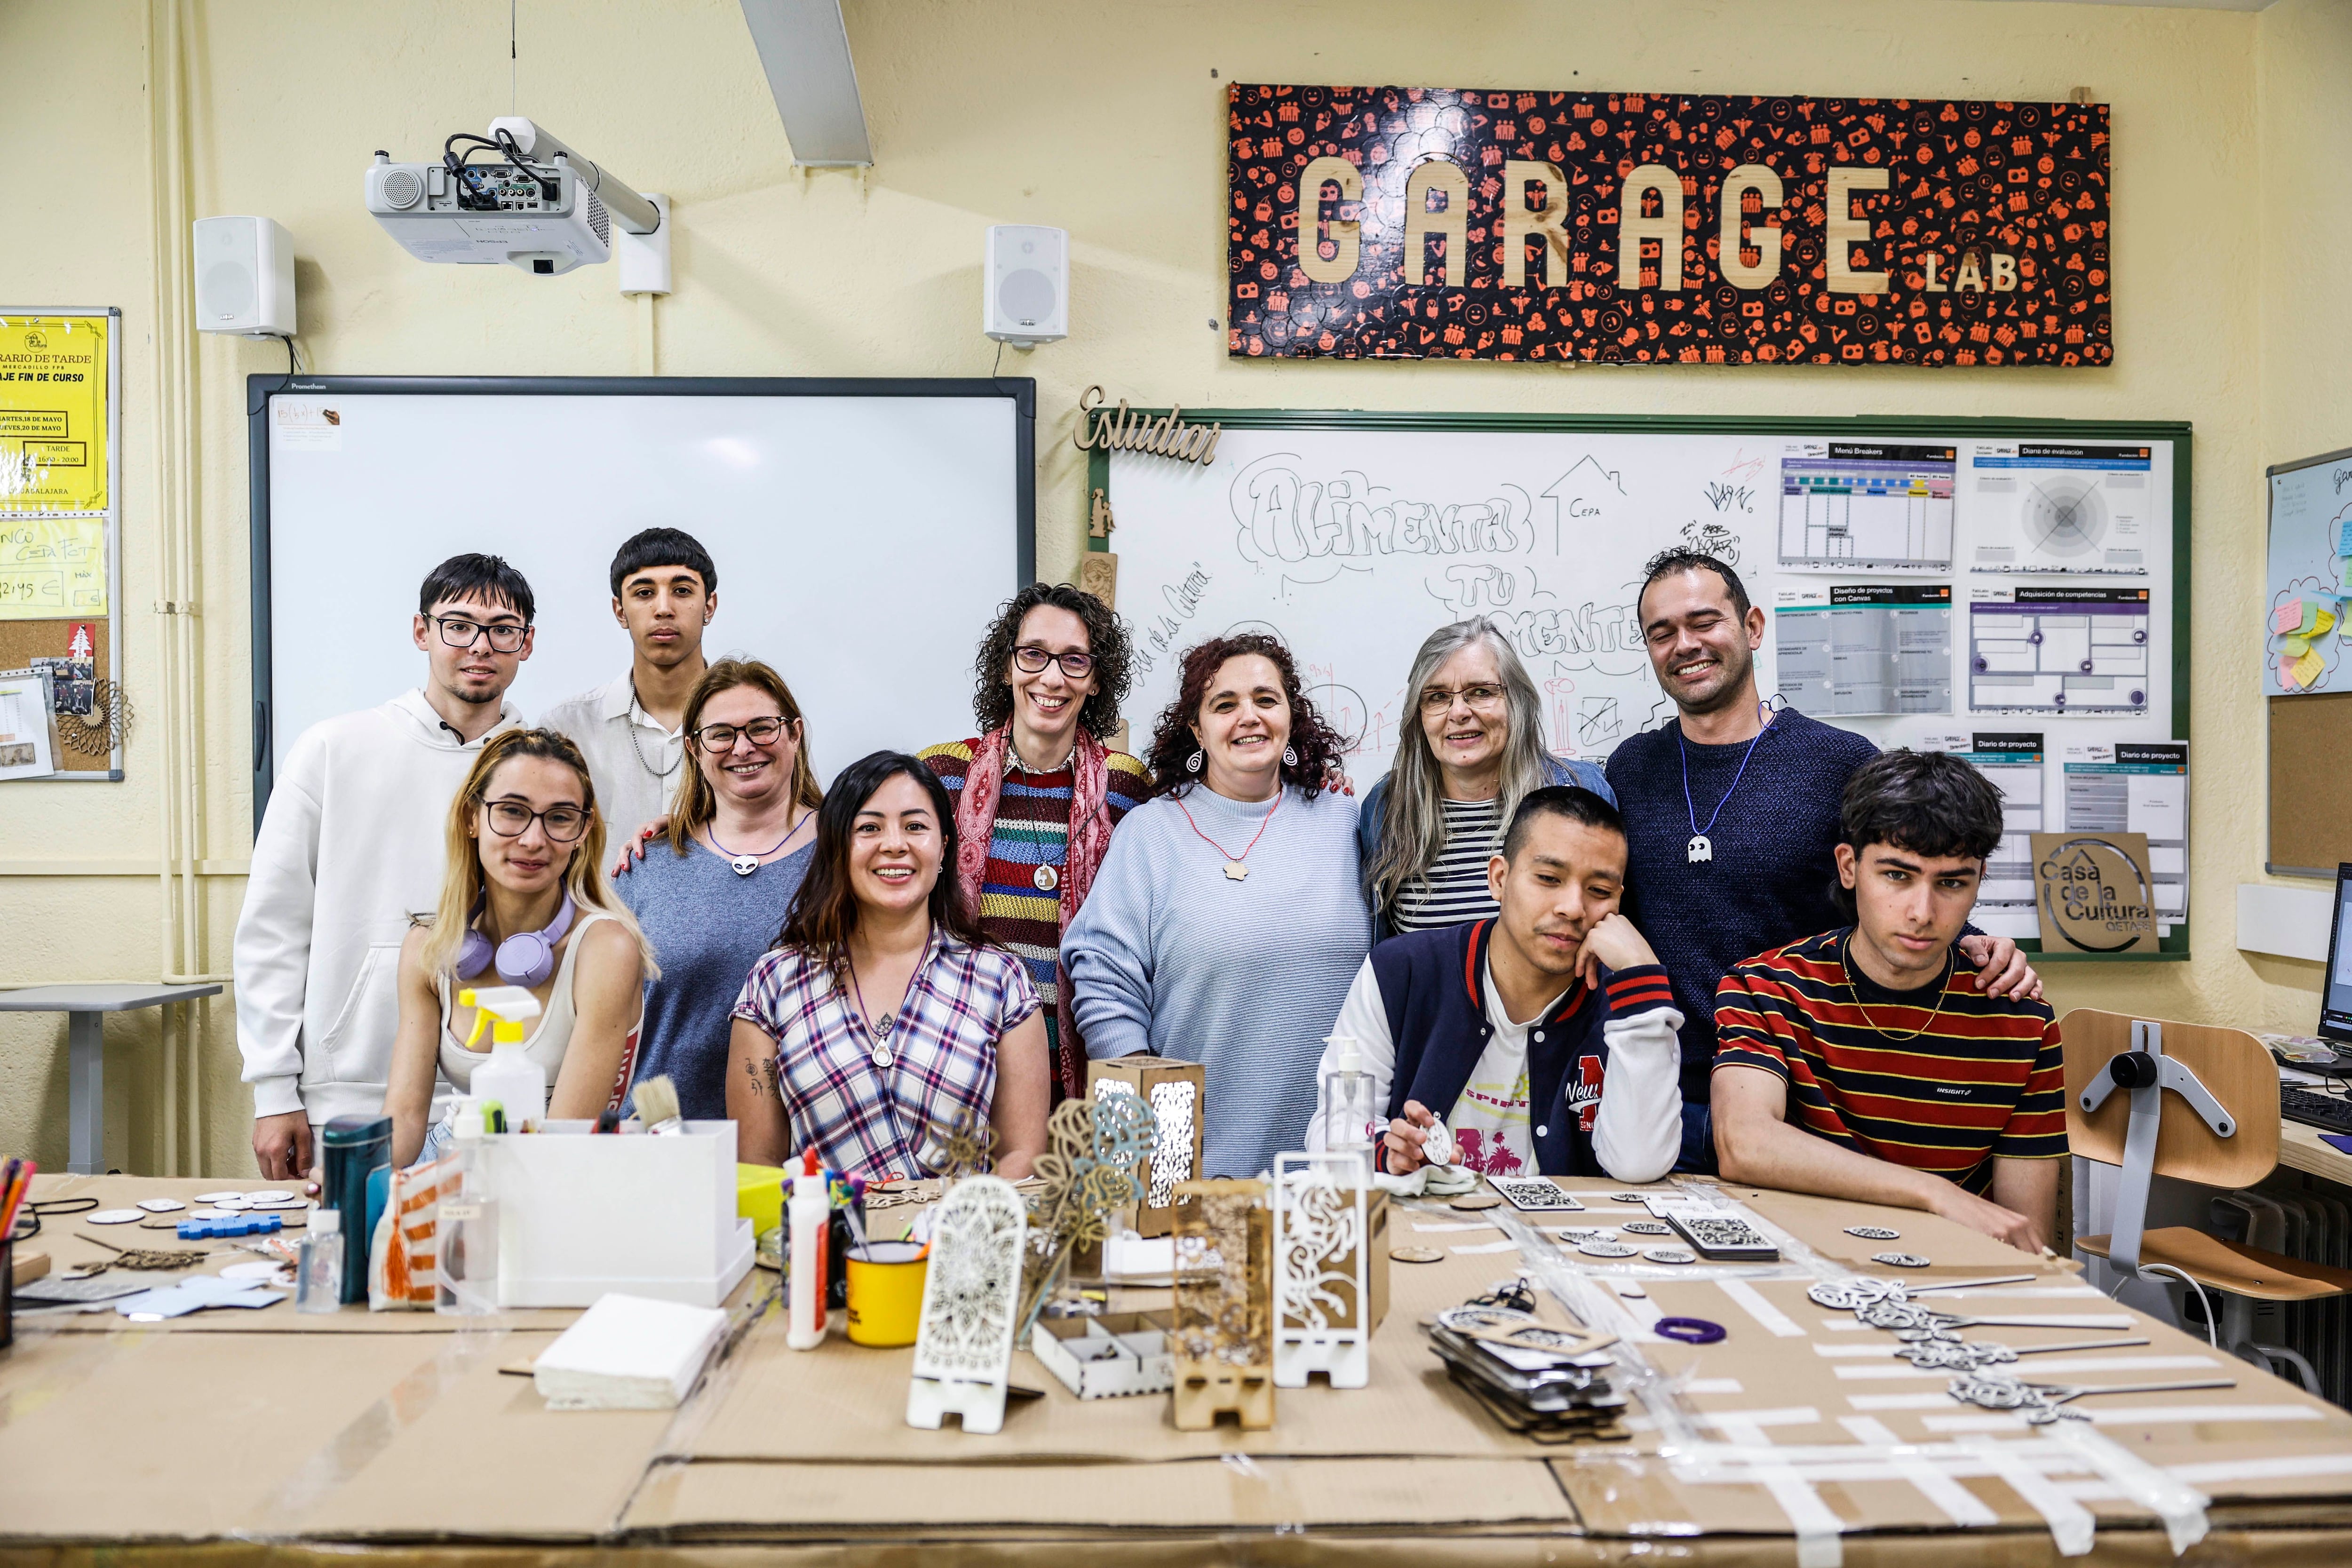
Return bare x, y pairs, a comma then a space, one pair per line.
1170, 956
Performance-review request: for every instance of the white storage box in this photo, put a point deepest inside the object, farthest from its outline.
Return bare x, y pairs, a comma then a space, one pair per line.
580, 1214
1100, 1358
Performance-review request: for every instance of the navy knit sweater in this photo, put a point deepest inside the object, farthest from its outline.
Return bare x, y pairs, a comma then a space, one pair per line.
1770, 882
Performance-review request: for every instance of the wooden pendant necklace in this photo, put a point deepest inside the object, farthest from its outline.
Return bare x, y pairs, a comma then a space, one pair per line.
1237, 866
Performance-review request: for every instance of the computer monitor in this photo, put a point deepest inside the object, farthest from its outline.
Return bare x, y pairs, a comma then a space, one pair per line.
2335, 987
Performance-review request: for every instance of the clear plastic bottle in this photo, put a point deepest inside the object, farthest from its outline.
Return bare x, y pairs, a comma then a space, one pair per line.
319, 1273
466, 1234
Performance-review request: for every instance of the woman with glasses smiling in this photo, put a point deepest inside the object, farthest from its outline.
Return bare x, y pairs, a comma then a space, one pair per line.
1037, 792
741, 832
1469, 746
522, 903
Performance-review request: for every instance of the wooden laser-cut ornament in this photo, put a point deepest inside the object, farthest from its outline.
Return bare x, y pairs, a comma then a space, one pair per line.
1224, 1341
1322, 1269
963, 1347
1088, 1170
1175, 1091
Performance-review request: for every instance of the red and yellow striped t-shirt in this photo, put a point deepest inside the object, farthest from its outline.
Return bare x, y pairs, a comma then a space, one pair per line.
1983, 1078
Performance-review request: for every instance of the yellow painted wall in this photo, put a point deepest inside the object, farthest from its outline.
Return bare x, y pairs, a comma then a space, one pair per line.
1105, 120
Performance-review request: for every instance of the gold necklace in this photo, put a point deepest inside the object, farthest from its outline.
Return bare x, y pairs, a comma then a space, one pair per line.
1942, 982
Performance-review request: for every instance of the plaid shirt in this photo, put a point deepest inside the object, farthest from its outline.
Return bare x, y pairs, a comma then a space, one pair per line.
869, 1120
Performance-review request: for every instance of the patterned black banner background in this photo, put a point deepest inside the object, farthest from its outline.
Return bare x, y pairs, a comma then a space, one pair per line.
1991, 229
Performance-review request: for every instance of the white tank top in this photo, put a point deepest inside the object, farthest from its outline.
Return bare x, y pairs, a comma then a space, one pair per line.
548, 1042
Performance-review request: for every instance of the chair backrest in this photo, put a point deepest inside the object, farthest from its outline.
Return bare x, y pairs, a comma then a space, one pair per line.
2231, 1063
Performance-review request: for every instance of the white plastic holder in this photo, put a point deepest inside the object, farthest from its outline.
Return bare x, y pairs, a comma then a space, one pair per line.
644, 257
1322, 1273
963, 1345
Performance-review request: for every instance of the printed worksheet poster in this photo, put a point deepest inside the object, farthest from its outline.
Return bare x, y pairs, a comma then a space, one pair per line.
2060, 650
2043, 507
1851, 504
1853, 649
2137, 787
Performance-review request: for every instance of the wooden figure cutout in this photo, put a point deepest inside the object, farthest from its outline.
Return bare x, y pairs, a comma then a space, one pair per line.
1225, 1343
1322, 1317
970, 1297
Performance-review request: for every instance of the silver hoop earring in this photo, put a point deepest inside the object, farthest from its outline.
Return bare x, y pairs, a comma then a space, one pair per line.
1192, 763
1289, 757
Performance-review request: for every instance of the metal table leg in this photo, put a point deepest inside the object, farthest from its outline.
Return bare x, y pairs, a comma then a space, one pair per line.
86, 1093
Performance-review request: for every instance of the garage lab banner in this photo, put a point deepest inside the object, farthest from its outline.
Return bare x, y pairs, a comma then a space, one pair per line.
1412, 223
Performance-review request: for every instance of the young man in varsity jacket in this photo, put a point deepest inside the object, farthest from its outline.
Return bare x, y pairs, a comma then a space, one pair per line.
1544, 1039
1868, 1062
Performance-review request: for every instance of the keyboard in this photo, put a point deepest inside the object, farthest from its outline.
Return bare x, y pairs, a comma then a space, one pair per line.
2329, 1112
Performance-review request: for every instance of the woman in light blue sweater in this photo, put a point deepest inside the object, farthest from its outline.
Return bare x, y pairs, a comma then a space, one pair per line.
1227, 921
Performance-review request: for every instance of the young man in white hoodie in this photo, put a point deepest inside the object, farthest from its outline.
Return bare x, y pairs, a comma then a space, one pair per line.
351, 847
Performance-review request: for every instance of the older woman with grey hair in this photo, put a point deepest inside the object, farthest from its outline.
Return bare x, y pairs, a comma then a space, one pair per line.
1469, 746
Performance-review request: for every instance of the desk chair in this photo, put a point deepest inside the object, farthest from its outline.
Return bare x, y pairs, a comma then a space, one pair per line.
2219, 1128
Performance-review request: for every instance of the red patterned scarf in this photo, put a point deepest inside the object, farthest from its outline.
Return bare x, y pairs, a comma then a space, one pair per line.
1089, 841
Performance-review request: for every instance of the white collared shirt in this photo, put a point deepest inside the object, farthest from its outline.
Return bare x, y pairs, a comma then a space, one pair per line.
636, 764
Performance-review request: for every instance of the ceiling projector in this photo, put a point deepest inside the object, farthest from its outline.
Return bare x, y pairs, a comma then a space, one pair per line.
535, 203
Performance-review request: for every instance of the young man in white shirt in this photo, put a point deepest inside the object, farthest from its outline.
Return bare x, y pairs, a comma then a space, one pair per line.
1544, 1039
350, 848
665, 591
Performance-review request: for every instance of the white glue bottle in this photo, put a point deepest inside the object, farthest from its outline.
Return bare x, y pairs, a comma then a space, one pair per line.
811, 1216
511, 1079
466, 1229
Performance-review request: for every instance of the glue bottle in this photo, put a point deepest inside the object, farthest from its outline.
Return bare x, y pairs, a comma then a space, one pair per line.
466, 1229
811, 1214
507, 1077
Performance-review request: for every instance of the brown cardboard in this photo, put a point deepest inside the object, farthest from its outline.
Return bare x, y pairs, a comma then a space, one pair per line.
1142, 1074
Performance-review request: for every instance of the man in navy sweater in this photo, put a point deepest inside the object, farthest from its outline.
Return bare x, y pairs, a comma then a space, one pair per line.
1731, 816
1510, 1029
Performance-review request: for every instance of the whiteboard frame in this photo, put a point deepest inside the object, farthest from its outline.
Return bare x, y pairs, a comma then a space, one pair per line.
2181, 434
260, 389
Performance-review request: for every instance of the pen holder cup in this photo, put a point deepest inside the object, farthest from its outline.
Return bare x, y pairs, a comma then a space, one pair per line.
886, 1292
7, 1293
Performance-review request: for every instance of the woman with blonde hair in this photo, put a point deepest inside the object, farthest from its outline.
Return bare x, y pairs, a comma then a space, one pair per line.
739, 836
523, 902
1470, 746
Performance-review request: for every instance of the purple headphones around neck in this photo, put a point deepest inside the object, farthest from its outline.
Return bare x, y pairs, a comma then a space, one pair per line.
526, 958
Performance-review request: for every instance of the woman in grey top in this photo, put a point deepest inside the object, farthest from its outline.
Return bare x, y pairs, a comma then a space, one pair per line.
740, 835
1225, 925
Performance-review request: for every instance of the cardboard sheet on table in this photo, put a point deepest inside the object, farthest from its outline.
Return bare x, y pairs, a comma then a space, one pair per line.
152, 1433
65, 1239
1819, 1224
714, 1500
857, 1398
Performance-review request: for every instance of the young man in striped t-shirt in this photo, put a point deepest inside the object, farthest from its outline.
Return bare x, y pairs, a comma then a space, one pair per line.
1867, 1062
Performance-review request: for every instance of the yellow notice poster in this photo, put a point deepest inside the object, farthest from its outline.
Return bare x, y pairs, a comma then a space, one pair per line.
56, 472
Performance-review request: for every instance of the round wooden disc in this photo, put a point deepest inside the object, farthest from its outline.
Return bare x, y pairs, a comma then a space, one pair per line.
1416, 1254
1475, 1201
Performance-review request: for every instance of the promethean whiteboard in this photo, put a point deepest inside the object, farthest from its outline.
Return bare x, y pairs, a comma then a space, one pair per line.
864, 531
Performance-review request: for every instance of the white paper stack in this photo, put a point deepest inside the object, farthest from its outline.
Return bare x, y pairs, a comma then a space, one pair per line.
629, 1353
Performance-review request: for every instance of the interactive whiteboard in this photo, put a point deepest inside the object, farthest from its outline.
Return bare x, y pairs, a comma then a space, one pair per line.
863, 532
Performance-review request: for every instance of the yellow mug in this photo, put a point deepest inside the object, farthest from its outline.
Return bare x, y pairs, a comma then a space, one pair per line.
886, 1292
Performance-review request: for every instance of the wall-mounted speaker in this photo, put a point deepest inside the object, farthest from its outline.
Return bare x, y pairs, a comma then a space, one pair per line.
1026, 287
244, 277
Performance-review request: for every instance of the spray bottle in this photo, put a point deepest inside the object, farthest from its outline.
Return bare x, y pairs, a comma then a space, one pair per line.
811, 1215
466, 1237
507, 1076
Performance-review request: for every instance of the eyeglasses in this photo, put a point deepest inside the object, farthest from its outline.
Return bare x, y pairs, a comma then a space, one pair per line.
721, 737
459, 631
1440, 699
1031, 659
512, 820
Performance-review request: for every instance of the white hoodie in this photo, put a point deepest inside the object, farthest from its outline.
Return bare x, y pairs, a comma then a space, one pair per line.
349, 847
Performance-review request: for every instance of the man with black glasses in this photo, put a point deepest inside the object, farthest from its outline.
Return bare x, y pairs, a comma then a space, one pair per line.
350, 849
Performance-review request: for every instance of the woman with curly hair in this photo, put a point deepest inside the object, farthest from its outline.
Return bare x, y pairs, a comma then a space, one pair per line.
1037, 791
1227, 923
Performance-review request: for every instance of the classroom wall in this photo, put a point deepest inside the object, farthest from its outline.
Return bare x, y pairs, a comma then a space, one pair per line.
1106, 121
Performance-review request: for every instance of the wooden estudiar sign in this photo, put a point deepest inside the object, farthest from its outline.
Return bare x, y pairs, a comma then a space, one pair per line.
1408, 223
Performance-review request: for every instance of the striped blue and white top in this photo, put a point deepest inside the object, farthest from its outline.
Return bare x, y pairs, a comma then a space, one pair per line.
1454, 891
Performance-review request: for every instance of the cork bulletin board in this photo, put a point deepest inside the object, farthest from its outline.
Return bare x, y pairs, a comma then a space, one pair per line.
2311, 823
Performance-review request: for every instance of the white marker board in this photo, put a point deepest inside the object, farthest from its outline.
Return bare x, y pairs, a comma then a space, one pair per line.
1919, 578
2310, 538
864, 533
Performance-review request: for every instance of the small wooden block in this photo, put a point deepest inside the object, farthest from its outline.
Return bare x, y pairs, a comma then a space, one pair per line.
28, 1267
1206, 1390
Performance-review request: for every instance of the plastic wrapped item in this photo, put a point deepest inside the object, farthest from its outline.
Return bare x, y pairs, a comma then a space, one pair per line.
319, 1274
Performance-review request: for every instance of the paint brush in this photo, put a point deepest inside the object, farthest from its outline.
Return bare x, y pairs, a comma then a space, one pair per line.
657, 1102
